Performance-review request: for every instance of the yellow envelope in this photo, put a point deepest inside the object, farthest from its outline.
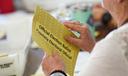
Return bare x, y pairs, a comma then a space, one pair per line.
49, 34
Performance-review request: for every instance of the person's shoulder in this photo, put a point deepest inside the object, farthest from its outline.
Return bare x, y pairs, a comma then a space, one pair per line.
122, 29
119, 34
117, 38
113, 43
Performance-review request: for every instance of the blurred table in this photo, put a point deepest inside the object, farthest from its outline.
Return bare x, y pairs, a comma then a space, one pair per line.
15, 47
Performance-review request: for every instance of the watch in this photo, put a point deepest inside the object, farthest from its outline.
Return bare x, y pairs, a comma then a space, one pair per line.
58, 73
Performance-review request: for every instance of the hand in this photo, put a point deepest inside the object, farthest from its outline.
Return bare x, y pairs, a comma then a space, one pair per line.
52, 63
86, 41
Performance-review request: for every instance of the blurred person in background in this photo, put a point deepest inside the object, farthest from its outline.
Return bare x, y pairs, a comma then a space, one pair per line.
102, 20
109, 57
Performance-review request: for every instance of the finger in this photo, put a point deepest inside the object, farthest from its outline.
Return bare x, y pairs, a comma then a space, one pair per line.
76, 22
84, 30
73, 40
74, 27
72, 22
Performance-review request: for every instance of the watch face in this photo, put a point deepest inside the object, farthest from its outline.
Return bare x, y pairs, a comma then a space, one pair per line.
57, 74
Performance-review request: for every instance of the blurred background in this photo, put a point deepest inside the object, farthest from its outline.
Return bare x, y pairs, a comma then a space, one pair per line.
19, 55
